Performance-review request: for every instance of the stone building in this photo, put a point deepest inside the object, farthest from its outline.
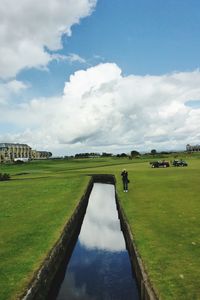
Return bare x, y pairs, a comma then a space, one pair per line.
43, 154
10, 151
192, 148
13, 151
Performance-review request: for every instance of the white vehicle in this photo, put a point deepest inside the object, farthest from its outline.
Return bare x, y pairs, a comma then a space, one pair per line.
21, 159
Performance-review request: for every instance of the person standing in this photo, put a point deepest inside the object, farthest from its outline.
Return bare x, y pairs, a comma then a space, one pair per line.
125, 180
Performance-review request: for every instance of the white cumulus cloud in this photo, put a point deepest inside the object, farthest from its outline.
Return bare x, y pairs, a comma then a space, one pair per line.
27, 27
102, 110
7, 89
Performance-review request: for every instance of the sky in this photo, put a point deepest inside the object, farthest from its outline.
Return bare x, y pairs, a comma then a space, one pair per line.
100, 75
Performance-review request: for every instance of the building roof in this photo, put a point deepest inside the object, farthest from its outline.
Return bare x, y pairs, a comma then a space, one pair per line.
2, 145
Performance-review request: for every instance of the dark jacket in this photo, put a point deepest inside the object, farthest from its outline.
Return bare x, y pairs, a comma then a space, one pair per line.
124, 175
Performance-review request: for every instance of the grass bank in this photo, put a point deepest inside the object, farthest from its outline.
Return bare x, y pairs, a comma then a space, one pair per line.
33, 213
162, 207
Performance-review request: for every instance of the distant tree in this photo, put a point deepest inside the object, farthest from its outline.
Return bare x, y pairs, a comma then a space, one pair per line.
165, 152
122, 155
81, 155
134, 153
87, 155
153, 151
104, 154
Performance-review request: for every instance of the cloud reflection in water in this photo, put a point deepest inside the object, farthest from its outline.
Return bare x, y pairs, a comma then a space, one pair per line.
99, 267
101, 226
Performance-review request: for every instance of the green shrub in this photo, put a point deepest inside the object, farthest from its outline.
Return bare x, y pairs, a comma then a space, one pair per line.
4, 177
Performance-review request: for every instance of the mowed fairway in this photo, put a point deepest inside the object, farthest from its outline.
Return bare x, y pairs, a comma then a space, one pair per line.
162, 207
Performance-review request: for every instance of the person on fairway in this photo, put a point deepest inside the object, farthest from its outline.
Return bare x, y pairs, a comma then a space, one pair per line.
125, 180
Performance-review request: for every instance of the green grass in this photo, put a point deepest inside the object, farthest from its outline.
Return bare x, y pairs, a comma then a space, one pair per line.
162, 207
33, 213
163, 210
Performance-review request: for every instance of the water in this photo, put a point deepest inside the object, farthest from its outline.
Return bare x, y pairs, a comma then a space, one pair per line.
99, 267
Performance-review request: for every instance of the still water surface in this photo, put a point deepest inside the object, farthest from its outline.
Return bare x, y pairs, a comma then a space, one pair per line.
99, 267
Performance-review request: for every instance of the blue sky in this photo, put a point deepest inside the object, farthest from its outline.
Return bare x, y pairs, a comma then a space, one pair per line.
142, 37
149, 51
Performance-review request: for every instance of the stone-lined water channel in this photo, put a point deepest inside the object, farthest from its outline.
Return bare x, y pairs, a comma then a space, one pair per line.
99, 267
